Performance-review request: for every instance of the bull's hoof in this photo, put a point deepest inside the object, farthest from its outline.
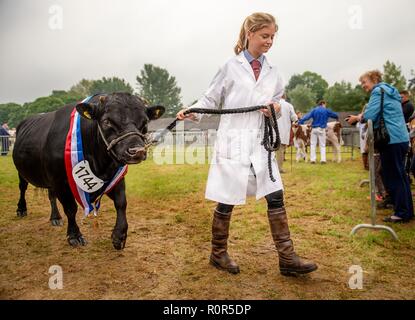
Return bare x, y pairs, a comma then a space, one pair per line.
119, 242
56, 222
77, 241
21, 213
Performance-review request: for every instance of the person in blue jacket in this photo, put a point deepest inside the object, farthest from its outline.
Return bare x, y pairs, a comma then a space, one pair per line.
393, 155
4, 137
320, 116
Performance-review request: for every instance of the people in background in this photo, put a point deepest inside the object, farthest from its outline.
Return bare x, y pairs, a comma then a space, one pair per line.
5, 139
381, 194
407, 106
393, 155
408, 110
288, 116
320, 116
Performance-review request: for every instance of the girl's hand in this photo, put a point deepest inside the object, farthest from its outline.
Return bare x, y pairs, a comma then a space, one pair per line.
277, 108
181, 116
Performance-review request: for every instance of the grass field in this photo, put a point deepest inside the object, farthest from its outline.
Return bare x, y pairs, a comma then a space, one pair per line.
168, 245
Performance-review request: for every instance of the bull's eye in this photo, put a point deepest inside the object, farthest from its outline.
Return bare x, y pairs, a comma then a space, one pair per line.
106, 123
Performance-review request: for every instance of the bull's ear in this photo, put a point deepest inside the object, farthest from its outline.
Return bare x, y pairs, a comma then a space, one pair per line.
155, 112
86, 110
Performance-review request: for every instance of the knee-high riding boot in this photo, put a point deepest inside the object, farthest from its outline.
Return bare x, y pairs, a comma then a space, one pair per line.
220, 233
290, 263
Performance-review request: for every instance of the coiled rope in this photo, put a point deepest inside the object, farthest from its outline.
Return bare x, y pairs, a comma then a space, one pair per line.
271, 140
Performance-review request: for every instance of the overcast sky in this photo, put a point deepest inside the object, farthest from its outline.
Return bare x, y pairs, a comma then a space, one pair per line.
47, 45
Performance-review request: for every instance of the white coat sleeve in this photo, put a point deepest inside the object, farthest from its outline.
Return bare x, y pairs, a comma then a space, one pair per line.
214, 96
279, 91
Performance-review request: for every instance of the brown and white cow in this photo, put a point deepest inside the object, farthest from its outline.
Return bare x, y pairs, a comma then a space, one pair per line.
334, 136
302, 135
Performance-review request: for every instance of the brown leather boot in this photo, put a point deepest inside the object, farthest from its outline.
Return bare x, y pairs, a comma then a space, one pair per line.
290, 263
220, 233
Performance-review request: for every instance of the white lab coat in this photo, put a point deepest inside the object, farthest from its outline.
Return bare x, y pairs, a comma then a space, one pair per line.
288, 116
239, 136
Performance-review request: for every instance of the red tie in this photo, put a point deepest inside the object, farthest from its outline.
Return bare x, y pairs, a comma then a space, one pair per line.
256, 66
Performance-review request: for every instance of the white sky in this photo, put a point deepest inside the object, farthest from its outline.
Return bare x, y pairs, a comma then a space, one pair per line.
191, 39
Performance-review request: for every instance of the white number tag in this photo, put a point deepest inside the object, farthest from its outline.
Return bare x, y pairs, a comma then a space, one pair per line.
85, 179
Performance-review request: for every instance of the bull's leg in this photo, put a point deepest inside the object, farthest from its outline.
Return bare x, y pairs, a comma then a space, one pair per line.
21, 205
303, 151
339, 153
119, 234
55, 217
70, 207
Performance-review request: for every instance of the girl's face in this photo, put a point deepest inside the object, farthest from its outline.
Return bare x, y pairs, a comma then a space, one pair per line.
261, 41
367, 84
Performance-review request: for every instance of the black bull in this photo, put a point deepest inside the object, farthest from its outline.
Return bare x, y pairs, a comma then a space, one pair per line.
38, 154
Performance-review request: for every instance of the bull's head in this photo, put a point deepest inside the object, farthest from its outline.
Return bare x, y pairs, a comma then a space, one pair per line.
122, 121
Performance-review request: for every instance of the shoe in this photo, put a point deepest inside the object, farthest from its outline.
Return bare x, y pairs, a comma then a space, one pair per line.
395, 219
322, 162
386, 203
312, 162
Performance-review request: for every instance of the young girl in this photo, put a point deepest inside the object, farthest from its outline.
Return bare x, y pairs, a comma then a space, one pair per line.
239, 162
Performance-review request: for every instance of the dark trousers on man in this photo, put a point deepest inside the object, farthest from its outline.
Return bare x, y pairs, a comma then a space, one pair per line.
396, 180
4, 145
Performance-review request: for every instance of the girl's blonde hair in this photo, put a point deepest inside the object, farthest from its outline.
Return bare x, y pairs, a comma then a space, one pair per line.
375, 76
253, 23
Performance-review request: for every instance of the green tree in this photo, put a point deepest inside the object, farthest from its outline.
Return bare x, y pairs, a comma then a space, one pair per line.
43, 104
110, 85
67, 97
7, 110
392, 74
82, 88
311, 80
343, 97
156, 85
302, 98
411, 84
17, 114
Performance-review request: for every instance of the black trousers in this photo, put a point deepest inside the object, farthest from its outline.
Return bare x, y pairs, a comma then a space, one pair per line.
396, 180
275, 200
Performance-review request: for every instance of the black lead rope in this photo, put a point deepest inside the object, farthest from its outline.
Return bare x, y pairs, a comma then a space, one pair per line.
271, 140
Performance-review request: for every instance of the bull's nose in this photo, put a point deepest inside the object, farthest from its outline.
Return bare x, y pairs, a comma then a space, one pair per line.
134, 151
137, 152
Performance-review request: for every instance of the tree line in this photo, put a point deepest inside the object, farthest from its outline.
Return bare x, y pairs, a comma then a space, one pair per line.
157, 86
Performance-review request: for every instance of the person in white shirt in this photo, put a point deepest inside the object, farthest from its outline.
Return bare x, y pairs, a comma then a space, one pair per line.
288, 116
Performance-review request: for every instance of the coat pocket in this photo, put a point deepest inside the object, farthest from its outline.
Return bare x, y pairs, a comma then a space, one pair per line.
228, 145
